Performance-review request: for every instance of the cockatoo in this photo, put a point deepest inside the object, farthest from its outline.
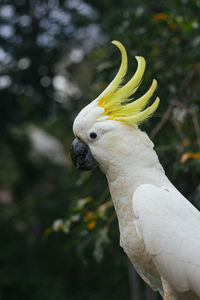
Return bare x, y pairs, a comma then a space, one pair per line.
159, 227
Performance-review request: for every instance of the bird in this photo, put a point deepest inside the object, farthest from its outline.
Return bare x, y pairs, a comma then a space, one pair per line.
159, 228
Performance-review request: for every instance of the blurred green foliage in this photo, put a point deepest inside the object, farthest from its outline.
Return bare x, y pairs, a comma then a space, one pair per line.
55, 57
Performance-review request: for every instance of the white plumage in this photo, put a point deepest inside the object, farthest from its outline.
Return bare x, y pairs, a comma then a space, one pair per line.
159, 228
169, 226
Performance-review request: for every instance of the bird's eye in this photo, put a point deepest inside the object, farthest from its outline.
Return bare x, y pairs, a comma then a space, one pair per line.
93, 135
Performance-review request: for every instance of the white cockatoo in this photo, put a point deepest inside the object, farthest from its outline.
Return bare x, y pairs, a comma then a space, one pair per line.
159, 227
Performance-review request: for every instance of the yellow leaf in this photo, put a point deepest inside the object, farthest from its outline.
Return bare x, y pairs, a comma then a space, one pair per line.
158, 17
188, 155
173, 26
89, 215
91, 225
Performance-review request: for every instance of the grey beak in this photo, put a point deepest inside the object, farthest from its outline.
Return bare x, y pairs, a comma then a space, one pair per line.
82, 156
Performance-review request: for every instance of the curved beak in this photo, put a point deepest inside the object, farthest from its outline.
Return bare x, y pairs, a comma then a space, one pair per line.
82, 156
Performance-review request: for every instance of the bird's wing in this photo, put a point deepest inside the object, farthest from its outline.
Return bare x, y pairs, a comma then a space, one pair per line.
170, 227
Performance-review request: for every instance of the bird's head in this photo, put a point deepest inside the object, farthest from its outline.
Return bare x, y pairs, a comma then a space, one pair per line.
104, 126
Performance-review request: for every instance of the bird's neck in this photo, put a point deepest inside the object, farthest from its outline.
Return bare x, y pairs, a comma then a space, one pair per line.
140, 165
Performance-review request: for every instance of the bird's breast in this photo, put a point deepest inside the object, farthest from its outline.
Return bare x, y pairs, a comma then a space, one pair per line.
134, 247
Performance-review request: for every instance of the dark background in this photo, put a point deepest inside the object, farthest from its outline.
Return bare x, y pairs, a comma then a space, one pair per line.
58, 231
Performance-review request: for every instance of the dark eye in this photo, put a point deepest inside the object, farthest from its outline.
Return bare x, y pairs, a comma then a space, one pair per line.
93, 135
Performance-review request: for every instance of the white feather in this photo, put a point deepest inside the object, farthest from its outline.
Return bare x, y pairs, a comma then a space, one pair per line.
161, 233
170, 227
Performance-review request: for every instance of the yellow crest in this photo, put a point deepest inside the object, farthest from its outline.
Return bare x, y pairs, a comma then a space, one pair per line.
115, 99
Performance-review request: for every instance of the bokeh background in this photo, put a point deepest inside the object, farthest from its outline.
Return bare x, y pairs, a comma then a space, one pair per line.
58, 231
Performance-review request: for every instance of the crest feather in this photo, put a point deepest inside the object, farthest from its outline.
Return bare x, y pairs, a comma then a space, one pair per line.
114, 98
118, 78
